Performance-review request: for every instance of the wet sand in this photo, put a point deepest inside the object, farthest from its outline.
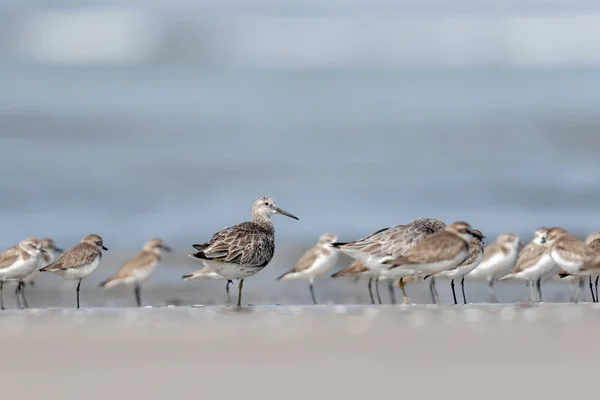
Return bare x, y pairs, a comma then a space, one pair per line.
299, 352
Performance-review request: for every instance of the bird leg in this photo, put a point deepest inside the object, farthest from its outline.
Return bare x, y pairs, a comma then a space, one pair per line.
592, 290
18, 296
240, 287
391, 291
371, 290
453, 292
493, 298
78, 286
1, 298
377, 290
531, 294
538, 285
434, 295
23, 299
229, 282
462, 285
312, 292
404, 296
137, 291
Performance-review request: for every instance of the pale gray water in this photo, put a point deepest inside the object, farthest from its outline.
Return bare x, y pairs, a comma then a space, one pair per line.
179, 153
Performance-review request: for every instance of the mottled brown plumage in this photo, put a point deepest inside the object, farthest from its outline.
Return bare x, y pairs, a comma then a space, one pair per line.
244, 249
444, 245
392, 242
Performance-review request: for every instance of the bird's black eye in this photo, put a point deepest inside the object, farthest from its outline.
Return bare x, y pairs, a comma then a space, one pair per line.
266, 203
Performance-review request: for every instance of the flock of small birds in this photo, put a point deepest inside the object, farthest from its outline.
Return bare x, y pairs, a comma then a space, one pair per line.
424, 249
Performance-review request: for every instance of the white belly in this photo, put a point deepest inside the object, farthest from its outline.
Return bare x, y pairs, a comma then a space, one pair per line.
397, 273
461, 271
20, 269
544, 266
436, 267
321, 265
571, 267
231, 271
79, 273
141, 274
496, 266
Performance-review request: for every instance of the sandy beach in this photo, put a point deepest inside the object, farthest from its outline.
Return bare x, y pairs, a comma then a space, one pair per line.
269, 352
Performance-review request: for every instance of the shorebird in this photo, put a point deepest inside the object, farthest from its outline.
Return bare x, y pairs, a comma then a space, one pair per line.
573, 256
139, 268
314, 263
469, 264
208, 274
49, 256
244, 249
79, 261
358, 270
498, 259
388, 244
17, 263
534, 263
439, 252
593, 241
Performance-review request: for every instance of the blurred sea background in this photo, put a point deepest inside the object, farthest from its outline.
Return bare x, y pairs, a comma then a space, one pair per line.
135, 119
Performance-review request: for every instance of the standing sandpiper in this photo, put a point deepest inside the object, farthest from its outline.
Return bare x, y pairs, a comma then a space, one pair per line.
244, 249
79, 261
139, 268
314, 263
17, 263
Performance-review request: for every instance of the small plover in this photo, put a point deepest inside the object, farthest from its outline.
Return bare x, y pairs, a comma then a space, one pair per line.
17, 263
469, 264
498, 259
314, 263
441, 251
593, 241
358, 270
51, 254
208, 274
139, 268
244, 249
534, 263
388, 244
79, 261
573, 256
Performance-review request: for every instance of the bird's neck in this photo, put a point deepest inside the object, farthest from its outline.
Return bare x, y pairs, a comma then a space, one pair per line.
263, 220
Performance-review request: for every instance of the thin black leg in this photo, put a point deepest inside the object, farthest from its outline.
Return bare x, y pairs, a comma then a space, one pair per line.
18, 295
592, 290
312, 293
371, 290
377, 290
78, 286
138, 294
596, 286
23, 299
1, 298
538, 285
462, 286
229, 282
392, 292
453, 292
240, 287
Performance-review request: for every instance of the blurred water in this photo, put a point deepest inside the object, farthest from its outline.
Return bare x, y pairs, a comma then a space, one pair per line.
179, 153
